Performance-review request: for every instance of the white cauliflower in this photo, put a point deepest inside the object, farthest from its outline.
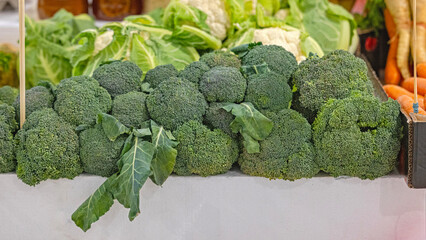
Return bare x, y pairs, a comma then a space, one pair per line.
217, 17
289, 40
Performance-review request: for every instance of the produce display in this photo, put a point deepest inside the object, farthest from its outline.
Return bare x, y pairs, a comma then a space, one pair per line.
271, 88
253, 108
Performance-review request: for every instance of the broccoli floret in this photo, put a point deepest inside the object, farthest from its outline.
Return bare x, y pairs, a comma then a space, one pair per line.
221, 58
36, 99
203, 151
8, 94
80, 99
223, 84
8, 125
98, 154
194, 71
285, 154
160, 73
277, 58
335, 75
358, 136
130, 109
174, 102
217, 117
119, 77
268, 91
47, 148
7, 149
7, 115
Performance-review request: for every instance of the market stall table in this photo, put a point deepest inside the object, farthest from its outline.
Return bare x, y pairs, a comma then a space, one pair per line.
229, 206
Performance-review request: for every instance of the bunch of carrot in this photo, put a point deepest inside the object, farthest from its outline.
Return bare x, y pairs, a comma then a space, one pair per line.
399, 83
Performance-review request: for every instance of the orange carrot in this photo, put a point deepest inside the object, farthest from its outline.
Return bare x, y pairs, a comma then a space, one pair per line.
421, 70
392, 74
390, 24
395, 92
409, 85
406, 103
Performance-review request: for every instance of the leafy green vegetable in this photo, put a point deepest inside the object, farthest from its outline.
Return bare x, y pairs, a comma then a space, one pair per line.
189, 26
112, 127
141, 158
49, 46
252, 125
145, 45
372, 16
164, 158
329, 24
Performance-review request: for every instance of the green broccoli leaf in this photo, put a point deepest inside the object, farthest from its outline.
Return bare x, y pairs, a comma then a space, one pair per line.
194, 37
112, 127
135, 170
165, 155
252, 125
95, 206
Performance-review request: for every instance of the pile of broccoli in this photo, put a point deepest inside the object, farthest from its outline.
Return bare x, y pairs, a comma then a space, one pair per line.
353, 133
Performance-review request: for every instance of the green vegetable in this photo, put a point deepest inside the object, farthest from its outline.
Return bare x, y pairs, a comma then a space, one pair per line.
49, 46
160, 73
80, 99
189, 26
8, 94
287, 153
130, 109
98, 153
8, 65
218, 118
372, 18
278, 59
358, 136
143, 44
47, 148
221, 58
194, 71
203, 151
8, 125
223, 84
174, 102
119, 77
142, 156
268, 91
250, 123
329, 24
335, 75
36, 98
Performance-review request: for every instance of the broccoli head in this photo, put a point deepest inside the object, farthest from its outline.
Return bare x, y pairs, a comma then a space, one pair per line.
277, 58
8, 94
160, 73
335, 75
174, 102
98, 154
119, 77
36, 99
194, 71
8, 126
7, 115
203, 151
221, 58
47, 148
130, 109
268, 91
80, 99
217, 117
358, 136
223, 84
285, 154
